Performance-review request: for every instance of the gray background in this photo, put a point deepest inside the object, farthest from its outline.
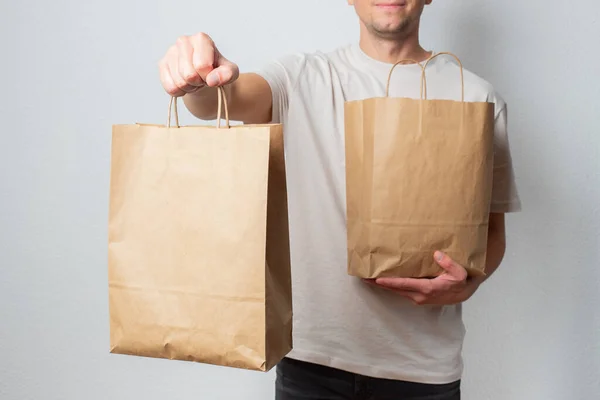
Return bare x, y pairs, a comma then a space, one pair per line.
70, 69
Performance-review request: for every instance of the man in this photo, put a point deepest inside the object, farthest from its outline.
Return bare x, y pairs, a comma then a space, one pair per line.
383, 339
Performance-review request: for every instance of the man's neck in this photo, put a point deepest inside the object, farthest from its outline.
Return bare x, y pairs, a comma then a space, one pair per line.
393, 50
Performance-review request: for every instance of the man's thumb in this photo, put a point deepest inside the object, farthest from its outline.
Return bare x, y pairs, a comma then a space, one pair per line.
225, 73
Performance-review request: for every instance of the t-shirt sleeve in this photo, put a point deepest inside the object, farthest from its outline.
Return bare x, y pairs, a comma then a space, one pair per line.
282, 76
505, 196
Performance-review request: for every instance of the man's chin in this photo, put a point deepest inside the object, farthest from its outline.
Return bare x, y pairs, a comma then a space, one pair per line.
390, 31
391, 27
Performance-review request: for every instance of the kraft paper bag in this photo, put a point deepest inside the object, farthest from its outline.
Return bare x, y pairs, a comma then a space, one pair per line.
199, 264
418, 179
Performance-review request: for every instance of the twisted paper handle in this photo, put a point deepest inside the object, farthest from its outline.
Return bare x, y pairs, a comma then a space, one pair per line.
423, 94
222, 104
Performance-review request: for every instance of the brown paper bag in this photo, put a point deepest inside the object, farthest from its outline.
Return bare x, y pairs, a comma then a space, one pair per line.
419, 179
199, 265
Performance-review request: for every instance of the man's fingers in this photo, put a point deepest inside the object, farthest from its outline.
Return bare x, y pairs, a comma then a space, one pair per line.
185, 66
450, 266
203, 57
168, 82
424, 286
415, 297
179, 80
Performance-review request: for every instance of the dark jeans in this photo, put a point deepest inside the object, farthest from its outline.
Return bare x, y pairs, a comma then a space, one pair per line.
297, 380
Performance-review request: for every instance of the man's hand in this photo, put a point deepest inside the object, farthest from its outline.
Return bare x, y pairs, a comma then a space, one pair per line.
194, 62
193, 68
449, 288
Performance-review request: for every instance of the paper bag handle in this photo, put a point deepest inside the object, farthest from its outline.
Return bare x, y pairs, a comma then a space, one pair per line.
387, 86
462, 75
222, 104
173, 106
423, 94
222, 99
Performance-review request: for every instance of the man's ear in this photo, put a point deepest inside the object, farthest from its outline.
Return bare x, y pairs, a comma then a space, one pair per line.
427, 2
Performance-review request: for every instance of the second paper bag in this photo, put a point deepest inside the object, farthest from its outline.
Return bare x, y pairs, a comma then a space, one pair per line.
199, 266
418, 179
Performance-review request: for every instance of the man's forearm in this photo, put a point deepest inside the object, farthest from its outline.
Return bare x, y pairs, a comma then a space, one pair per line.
203, 103
496, 247
249, 99
495, 254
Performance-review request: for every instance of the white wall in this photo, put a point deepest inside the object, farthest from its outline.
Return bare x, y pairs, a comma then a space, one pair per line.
72, 68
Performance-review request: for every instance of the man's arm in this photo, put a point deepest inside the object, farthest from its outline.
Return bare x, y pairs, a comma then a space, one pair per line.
452, 287
193, 68
496, 246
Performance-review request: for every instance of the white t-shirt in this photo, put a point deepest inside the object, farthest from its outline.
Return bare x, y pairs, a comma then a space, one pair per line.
339, 321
